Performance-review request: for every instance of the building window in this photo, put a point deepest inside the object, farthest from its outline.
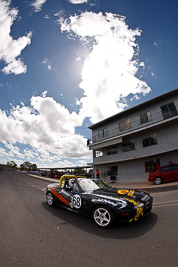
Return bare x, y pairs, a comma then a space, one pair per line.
150, 166
112, 170
125, 125
97, 153
145, 117
168, 110
103, 133
149, 141
111, 151
128, 146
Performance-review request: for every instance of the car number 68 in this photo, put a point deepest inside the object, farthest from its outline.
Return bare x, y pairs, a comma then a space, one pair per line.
76, 201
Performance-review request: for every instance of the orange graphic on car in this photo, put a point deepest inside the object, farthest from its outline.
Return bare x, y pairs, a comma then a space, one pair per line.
126, 192
59, 196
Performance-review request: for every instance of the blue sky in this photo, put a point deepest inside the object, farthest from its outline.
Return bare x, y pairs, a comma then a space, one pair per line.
66, 64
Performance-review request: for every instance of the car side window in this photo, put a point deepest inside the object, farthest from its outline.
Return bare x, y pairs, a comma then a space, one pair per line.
169, 168
165, 169
174, 167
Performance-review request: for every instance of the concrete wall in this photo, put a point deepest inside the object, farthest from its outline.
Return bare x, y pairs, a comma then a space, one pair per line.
134, 170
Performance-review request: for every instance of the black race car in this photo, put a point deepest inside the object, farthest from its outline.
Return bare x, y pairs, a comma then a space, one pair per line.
93, 197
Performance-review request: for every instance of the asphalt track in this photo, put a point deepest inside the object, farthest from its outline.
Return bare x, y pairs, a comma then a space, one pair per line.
36, 235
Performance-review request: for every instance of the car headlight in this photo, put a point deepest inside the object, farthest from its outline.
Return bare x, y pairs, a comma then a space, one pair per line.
139, 206
146, 197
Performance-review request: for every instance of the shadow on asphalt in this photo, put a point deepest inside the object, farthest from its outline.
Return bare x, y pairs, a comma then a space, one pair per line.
118, 231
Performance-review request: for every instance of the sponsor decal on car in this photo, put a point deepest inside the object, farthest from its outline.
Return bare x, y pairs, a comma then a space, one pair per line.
131, 201
99, 200
61, 198
126, 192
138, 214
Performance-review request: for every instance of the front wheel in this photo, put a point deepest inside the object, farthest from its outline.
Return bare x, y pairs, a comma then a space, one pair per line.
50, 199
103, 216
158, 180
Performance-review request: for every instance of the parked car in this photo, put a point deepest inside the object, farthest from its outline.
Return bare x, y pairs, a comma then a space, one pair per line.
94, 198
166, 173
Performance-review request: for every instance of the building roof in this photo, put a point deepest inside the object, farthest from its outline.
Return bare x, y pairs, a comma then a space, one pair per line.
137, 107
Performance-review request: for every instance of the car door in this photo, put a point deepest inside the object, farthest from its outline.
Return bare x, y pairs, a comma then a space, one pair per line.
174, 172
166, 173
61, 195
70, 197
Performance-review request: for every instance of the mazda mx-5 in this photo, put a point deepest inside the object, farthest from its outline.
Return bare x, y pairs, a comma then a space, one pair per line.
98, 200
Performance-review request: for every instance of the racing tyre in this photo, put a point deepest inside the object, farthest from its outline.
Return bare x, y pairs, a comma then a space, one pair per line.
50, 199
103, 216
158, 180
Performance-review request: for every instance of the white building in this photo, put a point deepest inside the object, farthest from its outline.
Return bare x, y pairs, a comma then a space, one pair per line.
129, 144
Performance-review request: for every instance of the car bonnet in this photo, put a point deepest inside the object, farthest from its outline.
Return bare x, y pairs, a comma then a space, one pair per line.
117, 194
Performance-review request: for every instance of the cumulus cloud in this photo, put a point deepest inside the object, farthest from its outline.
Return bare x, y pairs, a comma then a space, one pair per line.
78, 1
45, 125
109, 72
37, 4
14, 150
11, 49
16, 67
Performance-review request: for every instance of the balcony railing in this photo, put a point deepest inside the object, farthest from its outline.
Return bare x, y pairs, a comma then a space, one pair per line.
132, 126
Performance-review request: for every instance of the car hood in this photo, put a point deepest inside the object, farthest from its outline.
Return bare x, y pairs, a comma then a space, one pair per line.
127, 194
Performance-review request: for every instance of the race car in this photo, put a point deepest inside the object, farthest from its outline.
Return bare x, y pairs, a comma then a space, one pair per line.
103, 203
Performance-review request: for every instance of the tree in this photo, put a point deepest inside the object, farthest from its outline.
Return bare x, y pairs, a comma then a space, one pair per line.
34, 167
11, 164
79, 171
28, 166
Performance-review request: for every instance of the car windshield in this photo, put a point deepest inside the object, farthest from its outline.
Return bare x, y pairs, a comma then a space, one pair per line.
87, 184
100, 183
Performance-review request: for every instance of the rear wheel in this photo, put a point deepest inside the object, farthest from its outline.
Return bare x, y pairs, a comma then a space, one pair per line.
158, 180
50, 199
103, 216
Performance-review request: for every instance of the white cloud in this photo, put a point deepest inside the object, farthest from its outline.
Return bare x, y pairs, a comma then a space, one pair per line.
48, 127
156, 44
4, 153
47, 63
16, 67
14, 149
46, 17
37, 4
10, 49
78, 1
109, 72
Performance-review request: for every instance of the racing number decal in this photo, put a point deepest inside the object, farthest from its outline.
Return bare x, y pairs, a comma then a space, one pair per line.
76, 201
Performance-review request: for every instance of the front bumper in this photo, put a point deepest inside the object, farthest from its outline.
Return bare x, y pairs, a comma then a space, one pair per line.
135, 213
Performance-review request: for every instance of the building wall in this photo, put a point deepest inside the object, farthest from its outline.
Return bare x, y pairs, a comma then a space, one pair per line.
167, 140
131, 164
134, 170
113, 125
